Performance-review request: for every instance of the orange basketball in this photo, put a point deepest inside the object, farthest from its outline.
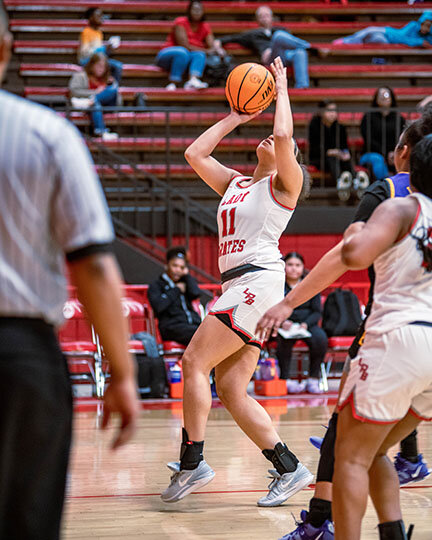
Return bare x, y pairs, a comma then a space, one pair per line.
250, 87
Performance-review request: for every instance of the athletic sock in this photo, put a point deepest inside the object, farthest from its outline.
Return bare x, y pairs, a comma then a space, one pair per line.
392, 530
191, 452
283, 459
408, 447
319, 511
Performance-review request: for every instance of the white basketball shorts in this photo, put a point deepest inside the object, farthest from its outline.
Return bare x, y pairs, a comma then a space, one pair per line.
391, 375
245, 299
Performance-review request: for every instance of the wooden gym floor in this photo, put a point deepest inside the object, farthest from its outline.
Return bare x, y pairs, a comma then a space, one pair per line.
117, 495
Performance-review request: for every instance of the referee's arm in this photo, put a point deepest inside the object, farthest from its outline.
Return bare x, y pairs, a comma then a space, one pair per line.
82, 226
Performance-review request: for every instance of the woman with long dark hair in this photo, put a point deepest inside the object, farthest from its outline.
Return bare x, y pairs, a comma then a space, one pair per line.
380, 129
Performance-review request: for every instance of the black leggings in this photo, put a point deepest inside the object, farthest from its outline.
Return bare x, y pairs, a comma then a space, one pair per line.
317, 345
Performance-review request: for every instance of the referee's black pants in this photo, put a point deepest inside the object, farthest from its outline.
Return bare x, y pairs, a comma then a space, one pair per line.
35, 430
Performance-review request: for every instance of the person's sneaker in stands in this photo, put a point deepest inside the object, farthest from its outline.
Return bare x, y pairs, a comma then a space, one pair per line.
195, 84
295, 387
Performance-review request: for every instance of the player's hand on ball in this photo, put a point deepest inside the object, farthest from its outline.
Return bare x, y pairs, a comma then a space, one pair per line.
242, 118
279, 73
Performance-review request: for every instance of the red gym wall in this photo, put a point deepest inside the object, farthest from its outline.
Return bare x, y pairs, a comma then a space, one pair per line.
203, 251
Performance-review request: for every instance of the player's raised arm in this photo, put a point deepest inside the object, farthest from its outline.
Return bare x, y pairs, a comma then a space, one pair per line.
199, 157
289, 178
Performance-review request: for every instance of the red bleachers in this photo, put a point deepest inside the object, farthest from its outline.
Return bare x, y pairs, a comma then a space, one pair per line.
223, 7
416, 71
311, 95
218, 27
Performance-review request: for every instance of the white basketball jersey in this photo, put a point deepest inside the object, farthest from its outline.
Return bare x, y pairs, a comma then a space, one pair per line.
403, 288
251, 222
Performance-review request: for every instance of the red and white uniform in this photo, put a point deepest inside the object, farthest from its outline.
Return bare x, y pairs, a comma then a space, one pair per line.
251, 222
393, 370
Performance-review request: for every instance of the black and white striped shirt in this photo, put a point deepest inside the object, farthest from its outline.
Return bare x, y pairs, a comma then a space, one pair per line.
51, 205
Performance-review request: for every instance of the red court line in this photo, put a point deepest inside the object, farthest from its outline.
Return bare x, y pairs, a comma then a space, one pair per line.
113, 496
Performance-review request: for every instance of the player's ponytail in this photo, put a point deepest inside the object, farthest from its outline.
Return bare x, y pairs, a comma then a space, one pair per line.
307, 180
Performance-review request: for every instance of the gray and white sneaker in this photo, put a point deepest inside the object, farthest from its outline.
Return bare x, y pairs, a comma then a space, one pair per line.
284, 486
186, 481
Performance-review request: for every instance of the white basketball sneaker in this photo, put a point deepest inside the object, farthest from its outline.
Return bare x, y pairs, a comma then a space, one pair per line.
184, 482
284, 486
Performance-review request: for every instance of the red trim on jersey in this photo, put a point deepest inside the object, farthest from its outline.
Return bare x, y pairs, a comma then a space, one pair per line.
417, 415
273, 196
357, 416
229, 312
243, 187
413, 223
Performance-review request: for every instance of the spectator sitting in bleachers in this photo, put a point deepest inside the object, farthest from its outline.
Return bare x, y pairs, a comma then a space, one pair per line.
328, 151
414, 34
97, 85
380, 129
171, 297
186, 47
269, 42
307, 316
91, 41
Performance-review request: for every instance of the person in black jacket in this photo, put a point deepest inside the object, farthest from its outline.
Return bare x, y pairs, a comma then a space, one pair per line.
328, 151
171, 298
380, 129
269, 42
308, 316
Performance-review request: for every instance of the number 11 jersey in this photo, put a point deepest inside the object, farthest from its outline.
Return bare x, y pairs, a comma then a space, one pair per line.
251, 222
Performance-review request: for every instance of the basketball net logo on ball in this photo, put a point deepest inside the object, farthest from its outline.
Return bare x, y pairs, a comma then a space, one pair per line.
250, 88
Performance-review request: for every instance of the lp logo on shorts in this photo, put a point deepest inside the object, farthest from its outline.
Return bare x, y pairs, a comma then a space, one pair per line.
250, 297
363, 370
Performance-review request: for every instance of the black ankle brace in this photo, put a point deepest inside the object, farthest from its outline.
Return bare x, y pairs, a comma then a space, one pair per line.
191, 452
319, 511
392, 530
283, 460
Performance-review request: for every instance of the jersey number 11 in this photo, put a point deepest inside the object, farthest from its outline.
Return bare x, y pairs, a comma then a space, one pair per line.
228, 217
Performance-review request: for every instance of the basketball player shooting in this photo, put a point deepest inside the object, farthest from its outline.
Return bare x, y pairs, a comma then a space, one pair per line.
252, 215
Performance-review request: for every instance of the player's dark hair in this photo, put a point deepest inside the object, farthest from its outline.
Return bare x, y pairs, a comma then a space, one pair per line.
176, 252
393, 104
421, 180
189, 10
307, 181
90, 12
421, 166
418, 129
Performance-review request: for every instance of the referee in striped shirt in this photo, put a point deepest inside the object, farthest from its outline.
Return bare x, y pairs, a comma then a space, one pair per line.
51, 209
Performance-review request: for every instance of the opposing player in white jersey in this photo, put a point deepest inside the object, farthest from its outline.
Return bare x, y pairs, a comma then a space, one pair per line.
252, 215
389, 386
